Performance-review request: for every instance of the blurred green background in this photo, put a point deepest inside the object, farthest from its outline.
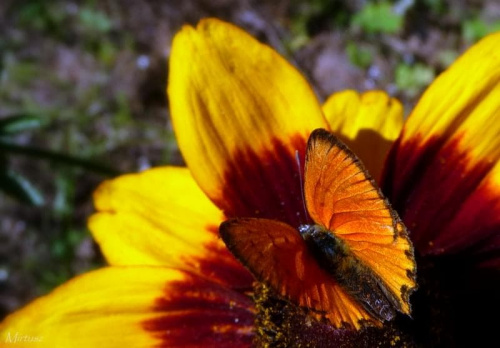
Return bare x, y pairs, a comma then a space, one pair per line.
82, 97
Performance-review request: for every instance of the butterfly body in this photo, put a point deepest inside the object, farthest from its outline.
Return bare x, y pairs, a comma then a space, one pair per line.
358, 280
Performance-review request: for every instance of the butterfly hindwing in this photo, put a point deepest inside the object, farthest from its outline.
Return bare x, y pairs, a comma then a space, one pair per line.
341, 196
277, 255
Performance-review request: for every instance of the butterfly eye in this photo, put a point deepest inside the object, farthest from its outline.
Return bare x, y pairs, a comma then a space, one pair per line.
306, 231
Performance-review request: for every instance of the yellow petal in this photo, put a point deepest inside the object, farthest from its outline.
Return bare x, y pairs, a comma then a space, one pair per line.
368, 123
160, 217
441, 172
463, 104
119, 306
230, 93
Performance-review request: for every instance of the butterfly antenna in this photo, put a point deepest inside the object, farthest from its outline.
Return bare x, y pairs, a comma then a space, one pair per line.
297, 159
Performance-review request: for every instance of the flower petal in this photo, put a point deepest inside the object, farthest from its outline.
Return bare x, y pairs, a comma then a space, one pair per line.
442, 173
368, 123
133, 306
160, 217
235, 102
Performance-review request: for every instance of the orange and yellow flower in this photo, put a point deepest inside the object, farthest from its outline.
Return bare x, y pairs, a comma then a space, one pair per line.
240, 112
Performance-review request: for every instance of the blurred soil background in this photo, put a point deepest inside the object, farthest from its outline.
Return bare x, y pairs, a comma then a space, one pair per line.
82, 97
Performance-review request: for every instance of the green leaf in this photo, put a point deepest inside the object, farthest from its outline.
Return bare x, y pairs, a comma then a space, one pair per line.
65, 186
57, 157
19, 123
18, 187
358, 55
378, 18
436, 6
95, 21
475, 28
413, 78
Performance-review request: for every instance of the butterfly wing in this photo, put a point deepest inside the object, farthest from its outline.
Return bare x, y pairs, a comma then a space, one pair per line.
341, 196
277, 255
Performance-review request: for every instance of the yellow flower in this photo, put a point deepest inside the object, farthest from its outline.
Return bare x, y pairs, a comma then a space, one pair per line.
240, 112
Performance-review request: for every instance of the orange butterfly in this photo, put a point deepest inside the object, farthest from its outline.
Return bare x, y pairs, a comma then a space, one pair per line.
355, 265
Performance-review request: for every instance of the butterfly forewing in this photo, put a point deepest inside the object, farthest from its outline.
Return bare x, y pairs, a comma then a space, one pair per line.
341, 196
277, 255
